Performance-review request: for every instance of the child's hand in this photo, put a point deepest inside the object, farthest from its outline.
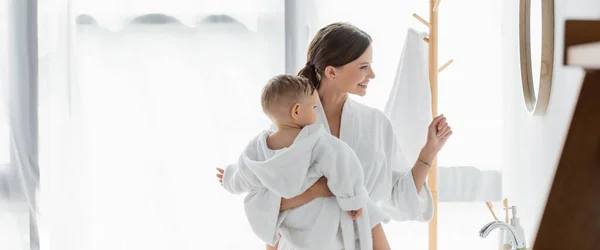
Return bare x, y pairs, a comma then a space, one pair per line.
220, 175
355, 214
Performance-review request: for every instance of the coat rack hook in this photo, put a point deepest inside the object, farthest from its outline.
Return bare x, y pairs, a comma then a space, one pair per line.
445, 65
422, 20
436, 5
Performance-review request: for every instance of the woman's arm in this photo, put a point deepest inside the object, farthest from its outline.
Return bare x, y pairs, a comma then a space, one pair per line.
297, 201
410, 198
438, 134
319, 189
421, 168
262, 208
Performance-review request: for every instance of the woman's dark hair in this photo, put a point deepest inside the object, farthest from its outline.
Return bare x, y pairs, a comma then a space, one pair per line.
336, 45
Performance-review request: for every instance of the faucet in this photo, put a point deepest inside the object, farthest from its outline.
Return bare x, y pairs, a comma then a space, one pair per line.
516, 241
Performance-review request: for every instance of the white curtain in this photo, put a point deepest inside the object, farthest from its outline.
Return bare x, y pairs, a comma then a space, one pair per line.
135, 120
8, 223
116, 14
13, 215
19, 172
4, 127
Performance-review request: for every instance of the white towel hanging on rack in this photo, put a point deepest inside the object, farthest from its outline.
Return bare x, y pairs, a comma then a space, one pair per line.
409, 102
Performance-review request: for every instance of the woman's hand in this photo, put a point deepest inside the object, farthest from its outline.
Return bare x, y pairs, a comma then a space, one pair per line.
438, 134
320, 188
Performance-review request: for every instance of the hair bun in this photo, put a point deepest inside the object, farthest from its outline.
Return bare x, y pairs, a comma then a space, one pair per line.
310, 66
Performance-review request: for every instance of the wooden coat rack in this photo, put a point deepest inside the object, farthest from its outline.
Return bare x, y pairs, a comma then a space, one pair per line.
433, 81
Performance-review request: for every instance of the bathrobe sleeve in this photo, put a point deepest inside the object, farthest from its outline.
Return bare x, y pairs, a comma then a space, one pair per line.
262, 211
404, 202
345, 177
234, 179
239, 178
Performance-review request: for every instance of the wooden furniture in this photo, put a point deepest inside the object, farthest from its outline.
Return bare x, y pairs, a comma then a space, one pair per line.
434, 69
571, 218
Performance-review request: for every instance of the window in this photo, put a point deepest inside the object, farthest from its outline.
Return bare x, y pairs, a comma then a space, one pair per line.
161, 95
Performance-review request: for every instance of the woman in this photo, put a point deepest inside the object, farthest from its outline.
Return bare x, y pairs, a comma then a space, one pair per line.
338, 64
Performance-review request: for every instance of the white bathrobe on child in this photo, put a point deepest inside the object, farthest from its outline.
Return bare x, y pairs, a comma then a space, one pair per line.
387, 173
323, 223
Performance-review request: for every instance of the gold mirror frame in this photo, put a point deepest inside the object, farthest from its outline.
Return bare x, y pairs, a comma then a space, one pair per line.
536, 104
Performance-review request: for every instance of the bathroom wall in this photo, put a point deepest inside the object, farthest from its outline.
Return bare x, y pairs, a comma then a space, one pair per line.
534, 143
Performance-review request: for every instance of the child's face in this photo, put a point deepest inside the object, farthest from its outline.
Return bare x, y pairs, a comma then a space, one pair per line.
306, 110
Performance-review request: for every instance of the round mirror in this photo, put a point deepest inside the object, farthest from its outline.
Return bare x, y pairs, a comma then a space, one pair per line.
536, 42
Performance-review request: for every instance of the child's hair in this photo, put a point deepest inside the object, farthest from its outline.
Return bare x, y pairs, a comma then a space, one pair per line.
284, 90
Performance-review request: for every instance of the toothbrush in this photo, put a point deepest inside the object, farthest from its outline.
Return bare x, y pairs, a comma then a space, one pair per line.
505, 204
489, 205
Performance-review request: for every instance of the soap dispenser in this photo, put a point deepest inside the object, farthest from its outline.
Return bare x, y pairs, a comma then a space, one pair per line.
516, 224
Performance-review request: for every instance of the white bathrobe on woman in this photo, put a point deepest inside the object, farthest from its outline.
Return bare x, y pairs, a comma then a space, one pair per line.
322, 223
387, 173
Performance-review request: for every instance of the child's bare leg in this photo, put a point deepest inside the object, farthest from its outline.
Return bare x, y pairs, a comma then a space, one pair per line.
272, 247
380, 241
